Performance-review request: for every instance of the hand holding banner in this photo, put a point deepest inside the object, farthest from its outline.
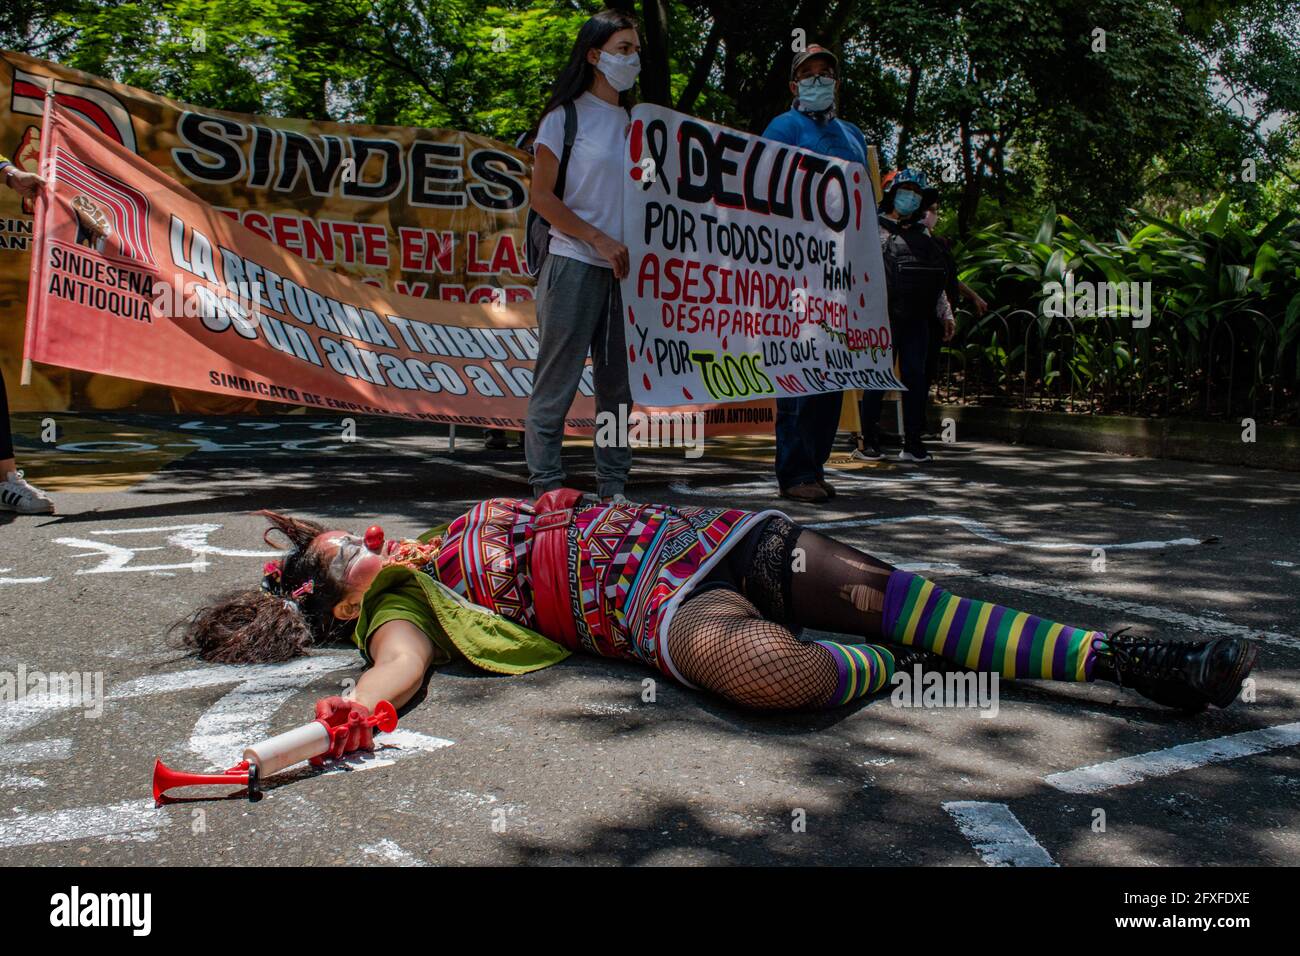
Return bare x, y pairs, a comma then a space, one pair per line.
756, 268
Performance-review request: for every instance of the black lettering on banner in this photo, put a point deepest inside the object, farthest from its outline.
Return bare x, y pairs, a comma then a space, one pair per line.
500, 188
263, 144
428, 162
388, 184
301, 152
695, 155
656, 141
727, 141
210, 135
754, 202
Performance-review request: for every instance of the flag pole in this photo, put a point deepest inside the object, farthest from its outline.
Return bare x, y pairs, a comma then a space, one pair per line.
38, 237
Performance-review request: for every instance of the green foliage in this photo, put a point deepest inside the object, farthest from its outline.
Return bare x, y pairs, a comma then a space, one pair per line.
1221, 290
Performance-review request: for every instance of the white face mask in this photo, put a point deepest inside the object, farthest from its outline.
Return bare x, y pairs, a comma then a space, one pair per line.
930, 218
620, 70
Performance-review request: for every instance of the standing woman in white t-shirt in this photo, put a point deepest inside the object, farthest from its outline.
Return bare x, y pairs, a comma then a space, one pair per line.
578, 301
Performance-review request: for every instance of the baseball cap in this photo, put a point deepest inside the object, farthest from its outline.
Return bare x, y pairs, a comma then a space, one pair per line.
812, 50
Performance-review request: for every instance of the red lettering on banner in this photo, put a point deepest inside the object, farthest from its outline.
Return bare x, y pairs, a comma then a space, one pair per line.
423, 250
374, 239
284, 238
473, 265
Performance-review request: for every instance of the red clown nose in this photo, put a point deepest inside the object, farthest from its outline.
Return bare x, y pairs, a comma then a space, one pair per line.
374, 538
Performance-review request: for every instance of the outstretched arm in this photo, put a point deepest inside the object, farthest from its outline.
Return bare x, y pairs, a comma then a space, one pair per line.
402, 654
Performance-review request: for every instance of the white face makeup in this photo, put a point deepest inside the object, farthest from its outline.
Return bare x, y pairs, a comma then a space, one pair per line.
350, 563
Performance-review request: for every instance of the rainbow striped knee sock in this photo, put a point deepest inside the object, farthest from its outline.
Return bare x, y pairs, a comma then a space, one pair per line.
984, 636
861, 669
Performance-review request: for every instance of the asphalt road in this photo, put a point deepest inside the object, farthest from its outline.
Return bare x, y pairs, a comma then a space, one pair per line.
572, 764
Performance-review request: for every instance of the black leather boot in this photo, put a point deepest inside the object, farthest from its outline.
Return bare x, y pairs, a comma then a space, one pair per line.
1184, 674
906, 658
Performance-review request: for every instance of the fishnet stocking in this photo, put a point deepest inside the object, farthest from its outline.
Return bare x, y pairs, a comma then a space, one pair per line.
719, 641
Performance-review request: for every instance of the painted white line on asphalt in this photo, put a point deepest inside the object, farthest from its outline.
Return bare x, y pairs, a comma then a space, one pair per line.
243, 716
389, 748
1161, 763
18, 715
32, 829
57, 748
478, 469
20, 580
392, 854
866, 476
981, 530
998, 837
768, 486
19, 781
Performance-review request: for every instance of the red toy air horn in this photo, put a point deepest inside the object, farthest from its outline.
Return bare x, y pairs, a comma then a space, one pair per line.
273, 755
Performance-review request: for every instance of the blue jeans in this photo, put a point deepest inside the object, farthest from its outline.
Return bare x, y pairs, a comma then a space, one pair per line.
805, 434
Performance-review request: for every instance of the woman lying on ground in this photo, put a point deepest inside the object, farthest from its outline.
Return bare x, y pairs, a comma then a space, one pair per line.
711, 597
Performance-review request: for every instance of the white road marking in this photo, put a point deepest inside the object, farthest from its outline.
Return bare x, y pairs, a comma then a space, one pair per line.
243, 716
18, 715
21, 580
389, 748
478, 469
116, 559
57, 748
768, 486
391, 853
57, 826
998, 837
19, 781
981, 530
1161, 763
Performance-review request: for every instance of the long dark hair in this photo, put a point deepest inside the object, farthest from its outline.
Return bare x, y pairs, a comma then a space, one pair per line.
578, 75
289, 613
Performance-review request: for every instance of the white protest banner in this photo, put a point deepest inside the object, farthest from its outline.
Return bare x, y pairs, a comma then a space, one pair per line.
755, 267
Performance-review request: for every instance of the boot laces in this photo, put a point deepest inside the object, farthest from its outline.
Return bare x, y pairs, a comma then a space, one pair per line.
1153, 658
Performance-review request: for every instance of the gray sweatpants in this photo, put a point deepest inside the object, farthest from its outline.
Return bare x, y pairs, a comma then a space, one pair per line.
578, 308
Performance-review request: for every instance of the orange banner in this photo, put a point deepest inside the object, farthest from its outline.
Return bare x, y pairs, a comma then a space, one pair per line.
135, 276
431, 213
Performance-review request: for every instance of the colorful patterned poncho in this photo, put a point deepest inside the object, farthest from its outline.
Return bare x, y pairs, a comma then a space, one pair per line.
629, 567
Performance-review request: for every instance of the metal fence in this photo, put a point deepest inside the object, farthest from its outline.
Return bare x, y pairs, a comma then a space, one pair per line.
1229, 368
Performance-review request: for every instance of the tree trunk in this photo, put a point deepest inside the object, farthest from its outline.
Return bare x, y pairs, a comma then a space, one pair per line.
703, 67
909, 117
655, 72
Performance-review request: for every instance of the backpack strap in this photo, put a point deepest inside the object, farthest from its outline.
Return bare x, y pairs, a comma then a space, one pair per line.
570, 134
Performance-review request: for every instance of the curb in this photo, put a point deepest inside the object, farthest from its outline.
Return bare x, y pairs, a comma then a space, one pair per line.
1218, 443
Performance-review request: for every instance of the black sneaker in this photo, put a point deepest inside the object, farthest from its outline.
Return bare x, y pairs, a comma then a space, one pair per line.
1185, 674
869, 451
916, 453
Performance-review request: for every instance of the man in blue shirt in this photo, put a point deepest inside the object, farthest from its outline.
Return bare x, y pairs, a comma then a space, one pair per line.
805, 427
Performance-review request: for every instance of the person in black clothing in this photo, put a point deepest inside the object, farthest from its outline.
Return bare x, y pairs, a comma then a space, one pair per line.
16, 493
916, 274
954, 290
